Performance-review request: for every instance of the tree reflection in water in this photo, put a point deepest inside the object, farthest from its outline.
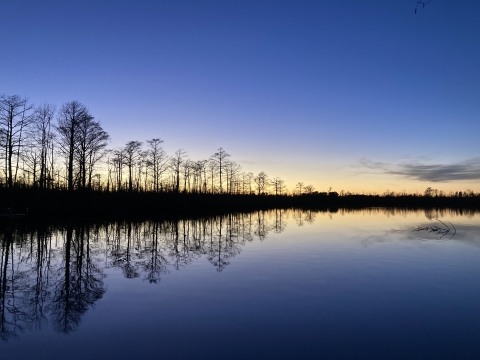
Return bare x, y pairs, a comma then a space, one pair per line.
78, 282
55, 274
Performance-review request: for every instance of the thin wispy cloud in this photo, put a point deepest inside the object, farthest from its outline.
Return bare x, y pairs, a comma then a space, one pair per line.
374, 165
463, 170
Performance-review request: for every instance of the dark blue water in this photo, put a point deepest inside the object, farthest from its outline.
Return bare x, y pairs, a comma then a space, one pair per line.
266, 285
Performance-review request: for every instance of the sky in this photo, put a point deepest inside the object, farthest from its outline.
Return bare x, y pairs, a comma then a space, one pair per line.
361, 96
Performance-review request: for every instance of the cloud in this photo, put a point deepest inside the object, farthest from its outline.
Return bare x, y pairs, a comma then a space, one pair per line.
374, 165
466, 170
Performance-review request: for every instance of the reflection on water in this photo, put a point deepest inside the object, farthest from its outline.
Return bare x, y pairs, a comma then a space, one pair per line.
52, 276
57, 273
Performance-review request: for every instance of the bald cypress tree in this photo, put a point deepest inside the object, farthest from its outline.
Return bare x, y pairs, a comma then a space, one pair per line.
15, 118
68, 122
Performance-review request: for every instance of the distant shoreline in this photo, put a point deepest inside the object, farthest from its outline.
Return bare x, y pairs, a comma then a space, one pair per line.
46, 204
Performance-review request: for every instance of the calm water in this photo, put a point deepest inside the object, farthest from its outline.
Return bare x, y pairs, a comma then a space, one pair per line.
372, 284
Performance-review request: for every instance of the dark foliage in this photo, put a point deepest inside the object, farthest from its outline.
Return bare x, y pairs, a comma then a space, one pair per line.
60, 204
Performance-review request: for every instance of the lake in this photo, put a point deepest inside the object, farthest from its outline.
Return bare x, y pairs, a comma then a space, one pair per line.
279, 284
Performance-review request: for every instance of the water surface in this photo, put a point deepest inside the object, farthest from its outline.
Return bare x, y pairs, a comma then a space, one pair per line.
369, 284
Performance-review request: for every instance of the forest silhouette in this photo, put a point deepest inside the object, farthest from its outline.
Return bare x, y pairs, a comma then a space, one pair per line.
57, 163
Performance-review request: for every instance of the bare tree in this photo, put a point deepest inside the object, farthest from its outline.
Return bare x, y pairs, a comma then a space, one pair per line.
219, 159
96, 142
278, 186
157, 160
232, 169
261, 180
248, 177
31, 162
309, 189
15, 117
117, 163
175, 164
37, 150
44, 139
68, 122
212, 168
131, 156
187, 167
299, 188
91, 140
201, 175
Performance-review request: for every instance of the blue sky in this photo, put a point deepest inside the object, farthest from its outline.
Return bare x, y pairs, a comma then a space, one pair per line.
357, 95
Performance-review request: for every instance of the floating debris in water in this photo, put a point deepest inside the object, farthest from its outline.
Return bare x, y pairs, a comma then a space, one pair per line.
439, 231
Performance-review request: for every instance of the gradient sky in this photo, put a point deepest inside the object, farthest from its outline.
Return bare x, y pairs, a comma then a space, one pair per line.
356, 95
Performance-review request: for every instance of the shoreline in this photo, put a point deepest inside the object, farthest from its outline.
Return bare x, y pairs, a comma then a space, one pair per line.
59, 204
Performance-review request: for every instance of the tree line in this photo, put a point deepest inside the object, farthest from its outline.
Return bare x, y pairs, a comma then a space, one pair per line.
66, 148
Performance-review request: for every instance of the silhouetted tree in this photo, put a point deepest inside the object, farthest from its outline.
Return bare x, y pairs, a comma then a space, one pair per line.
309, 189
117, 162
186, 167
219, 160
261, 180
70, 116
247, 180
131, 154
212, 168
158, 161
232, 169
278, 186
175, 164
299, 188
15, 117
97, 140
43, 137
91, 140
200, 176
